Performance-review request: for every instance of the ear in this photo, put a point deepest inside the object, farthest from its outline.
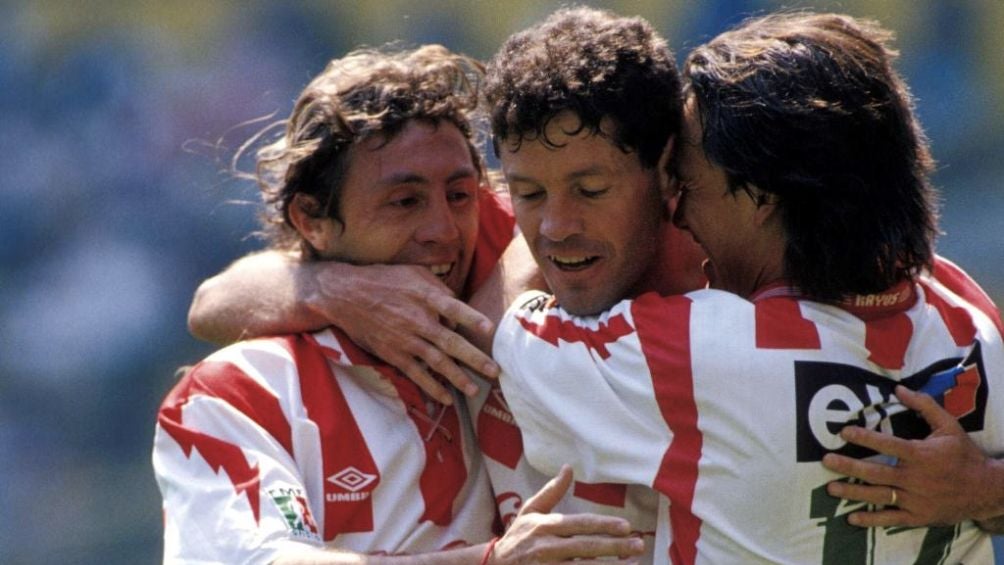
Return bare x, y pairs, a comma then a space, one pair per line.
318, 230
666, 185
766, 205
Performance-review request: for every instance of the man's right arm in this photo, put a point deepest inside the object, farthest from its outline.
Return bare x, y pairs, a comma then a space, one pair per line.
259, 294
402, 314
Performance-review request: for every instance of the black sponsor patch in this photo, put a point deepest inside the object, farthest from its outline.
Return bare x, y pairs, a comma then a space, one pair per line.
830, 396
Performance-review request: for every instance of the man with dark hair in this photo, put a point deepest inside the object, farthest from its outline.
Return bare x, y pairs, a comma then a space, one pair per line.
803, 175
582, 106
326, 452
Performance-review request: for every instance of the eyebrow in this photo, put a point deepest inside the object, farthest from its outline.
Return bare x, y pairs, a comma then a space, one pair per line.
412, 178
574, 175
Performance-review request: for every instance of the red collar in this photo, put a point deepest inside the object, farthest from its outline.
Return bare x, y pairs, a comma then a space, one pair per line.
900, 297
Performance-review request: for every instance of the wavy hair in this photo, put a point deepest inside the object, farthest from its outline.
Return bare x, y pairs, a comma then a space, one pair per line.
367, 93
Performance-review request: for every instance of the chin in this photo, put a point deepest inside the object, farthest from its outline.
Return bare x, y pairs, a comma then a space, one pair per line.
585, 305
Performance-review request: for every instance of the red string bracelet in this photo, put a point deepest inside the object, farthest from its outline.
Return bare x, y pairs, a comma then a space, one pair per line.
489, 550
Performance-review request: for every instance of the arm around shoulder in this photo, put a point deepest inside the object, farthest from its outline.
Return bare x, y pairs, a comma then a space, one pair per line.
263, 293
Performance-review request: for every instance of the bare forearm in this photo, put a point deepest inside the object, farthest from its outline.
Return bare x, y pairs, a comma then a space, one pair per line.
261, 294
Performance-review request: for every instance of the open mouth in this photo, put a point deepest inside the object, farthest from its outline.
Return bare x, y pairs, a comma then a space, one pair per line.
572, 263
442, 270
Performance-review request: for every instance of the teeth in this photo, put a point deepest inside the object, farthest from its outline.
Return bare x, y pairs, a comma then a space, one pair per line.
569, 260
441, 269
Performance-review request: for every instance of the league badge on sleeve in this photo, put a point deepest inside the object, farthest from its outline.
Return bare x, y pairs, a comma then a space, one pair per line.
292, 504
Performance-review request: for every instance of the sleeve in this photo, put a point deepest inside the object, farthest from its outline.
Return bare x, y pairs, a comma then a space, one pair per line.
956, 280
581, 392
232, 493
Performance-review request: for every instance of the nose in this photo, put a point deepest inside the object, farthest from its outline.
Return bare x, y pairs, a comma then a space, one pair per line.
439, 224
560, 220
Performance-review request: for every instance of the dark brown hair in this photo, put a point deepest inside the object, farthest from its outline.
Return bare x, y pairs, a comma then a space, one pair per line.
808, 107
595, 64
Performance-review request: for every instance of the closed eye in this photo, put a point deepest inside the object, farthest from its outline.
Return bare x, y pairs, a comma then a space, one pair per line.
530, 195
590, 193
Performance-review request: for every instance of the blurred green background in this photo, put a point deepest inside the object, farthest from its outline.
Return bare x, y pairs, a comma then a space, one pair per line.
118, 122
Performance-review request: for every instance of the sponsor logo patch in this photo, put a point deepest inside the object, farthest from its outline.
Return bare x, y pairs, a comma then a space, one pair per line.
292, 504
830, 396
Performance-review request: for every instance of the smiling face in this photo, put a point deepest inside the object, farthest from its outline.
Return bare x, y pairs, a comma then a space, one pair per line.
590, 212
412, 200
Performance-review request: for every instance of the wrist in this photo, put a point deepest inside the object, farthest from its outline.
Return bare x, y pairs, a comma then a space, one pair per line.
327, 287
993, 510
489, 550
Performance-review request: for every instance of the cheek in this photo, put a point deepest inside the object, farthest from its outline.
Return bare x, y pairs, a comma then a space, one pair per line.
467, 221
527, 221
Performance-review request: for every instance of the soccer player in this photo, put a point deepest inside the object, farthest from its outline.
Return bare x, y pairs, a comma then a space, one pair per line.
582, 106
303, 447
803, 174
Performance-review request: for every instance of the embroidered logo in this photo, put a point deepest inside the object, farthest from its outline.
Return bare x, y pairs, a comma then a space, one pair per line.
292, 504
353, 481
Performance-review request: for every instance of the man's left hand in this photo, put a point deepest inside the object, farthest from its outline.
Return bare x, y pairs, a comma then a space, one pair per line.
940, 480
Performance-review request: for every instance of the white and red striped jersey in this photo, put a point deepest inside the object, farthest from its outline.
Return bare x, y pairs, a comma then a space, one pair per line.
275, 443
726, 406
514, 480
272, 443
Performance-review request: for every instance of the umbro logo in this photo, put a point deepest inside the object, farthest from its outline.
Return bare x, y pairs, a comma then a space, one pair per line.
352, 479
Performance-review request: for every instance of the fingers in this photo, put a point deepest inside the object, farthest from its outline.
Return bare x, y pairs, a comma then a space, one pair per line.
537, 538
456, 313
460, 313
937, 417
587, 546
544, 500
886, 444
566, 525
419, 374
451, 347
438, 356
878, 495
883, 518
